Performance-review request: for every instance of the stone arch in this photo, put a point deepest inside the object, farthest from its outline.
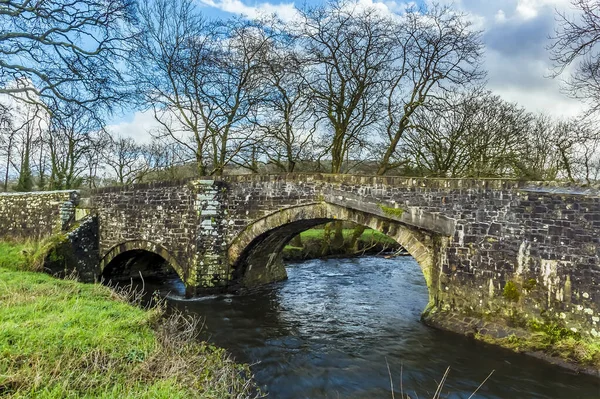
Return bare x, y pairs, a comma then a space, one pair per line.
137, 245
255, 254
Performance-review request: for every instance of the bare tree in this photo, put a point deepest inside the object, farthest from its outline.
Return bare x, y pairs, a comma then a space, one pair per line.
63, 51
575, 142
435, 49
590, 161
201, 80
234, 88
575, 43
538, 158
472, 134
286, 116
98, 143
436, 143
497, 131
29, 124
349, 48
69, 143
125, 160
167, 160
7, 139
168, 62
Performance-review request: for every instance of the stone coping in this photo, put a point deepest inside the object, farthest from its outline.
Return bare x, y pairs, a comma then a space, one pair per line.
555, 187
30, 193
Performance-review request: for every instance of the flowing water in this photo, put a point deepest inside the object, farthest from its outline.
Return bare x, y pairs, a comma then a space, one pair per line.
335, 326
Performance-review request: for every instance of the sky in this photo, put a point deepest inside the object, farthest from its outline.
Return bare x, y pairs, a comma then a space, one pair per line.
515, 34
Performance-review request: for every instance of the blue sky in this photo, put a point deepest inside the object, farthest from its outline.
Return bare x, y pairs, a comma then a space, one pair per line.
515, 36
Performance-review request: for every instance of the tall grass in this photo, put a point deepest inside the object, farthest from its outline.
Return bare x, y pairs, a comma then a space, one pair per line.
439, 387
64, 339
26, 255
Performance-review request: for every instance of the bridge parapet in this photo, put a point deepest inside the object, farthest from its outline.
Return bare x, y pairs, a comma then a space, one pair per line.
36, 214
563, 187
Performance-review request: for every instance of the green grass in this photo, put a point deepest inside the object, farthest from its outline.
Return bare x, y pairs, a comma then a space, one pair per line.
369, 235
312, 244
64, 339
12, 255
26, 255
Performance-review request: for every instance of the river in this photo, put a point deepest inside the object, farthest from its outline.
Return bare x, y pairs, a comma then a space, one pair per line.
332, 329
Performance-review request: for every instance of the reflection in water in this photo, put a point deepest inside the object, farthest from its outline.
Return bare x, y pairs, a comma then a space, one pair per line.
328, 330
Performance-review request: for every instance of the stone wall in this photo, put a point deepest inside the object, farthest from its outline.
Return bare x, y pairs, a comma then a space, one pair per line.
75, 253
36, 214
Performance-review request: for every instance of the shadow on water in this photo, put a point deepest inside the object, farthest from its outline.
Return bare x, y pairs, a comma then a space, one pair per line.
328, 330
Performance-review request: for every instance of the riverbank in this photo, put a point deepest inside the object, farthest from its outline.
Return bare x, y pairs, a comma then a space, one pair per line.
545, 339
314, 244
61, 338
553, 344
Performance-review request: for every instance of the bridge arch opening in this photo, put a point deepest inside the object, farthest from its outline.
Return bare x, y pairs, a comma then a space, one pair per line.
256, 254
135, 260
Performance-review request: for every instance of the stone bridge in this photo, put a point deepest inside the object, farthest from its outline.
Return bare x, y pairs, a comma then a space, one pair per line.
489, 249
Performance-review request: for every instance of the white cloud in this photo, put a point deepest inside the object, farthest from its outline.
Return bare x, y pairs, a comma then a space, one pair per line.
286, 11
383, 7
500, 17
527, 84
528, 9
139, 127
519, 63
542, 101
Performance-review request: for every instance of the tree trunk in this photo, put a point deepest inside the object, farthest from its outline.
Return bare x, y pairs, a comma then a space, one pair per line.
356, 234
338, 236
296, 241
326, 244
8, 159
25, 182
337, 150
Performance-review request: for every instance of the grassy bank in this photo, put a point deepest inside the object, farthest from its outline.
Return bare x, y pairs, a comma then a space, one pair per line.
23, 256
313, 243
64, 339
367, 236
